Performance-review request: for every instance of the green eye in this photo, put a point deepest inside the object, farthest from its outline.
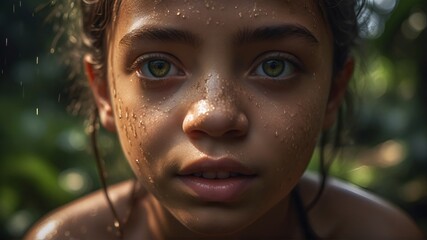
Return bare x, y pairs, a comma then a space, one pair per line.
278, 67
273, 68
159, 68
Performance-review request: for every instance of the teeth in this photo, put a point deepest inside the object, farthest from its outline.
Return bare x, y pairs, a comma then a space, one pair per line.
216, 175
222, 175
209, 175
199, 174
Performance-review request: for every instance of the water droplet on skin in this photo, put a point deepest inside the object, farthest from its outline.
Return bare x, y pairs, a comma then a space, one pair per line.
93, 213
116, 224
151, 180
276, 133
240, 14
208, 22
178, 13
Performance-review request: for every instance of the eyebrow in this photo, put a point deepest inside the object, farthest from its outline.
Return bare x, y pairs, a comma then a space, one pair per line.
159, 34
278, 32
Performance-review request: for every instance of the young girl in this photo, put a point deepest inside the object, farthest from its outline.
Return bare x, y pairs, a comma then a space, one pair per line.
218, 106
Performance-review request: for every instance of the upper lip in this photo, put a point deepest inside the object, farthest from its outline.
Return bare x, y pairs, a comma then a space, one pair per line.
215, 165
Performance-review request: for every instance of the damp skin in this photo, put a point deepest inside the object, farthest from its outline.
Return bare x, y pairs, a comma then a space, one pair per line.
218, 102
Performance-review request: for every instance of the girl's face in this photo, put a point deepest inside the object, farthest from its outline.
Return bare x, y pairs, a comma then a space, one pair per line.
218, 104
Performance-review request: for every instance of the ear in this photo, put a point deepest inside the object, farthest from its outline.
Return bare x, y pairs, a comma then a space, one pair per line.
101, 94
337, 93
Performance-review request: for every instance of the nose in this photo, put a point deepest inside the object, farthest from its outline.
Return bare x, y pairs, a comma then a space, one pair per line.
215, 118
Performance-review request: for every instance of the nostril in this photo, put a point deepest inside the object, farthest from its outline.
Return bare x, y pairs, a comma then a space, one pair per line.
196, 133
204, 119
234, 133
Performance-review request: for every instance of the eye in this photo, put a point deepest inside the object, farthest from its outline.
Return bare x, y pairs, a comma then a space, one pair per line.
156, 67
273, 68
159, 68
277, 67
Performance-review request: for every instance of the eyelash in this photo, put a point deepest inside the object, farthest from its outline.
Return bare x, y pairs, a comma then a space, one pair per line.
286, 58
140, 65
141, 62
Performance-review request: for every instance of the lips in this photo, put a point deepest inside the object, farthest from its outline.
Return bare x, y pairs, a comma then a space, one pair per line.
220, 167
216, 175
216, 180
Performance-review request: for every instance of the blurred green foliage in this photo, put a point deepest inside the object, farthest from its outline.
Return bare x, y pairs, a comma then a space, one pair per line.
45, 160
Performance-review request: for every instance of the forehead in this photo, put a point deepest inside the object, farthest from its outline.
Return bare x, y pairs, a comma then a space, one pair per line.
210, 17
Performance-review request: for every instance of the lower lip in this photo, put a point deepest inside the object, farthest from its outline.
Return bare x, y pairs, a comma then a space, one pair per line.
217, 190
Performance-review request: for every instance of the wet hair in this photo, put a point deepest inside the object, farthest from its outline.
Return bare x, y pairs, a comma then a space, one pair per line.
92, 19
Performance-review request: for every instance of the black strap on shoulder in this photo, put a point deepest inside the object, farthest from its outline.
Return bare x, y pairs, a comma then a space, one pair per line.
302, 216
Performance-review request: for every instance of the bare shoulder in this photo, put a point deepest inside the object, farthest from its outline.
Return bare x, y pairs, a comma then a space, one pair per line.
83, 218
346, 211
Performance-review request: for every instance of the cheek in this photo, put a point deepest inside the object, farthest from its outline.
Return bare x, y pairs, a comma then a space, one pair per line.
138, 128
291, 137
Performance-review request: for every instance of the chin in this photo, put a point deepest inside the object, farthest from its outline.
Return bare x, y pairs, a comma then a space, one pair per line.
216, 226
214, 230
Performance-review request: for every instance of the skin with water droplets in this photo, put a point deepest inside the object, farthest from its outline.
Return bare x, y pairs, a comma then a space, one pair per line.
160, 137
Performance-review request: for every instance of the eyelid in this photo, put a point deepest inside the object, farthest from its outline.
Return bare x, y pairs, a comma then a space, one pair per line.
155, 56
271, 55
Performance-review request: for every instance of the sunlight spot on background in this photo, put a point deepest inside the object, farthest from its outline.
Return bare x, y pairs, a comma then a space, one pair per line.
379, 75
74, 181
390, 153
414, 190
385, 6
406, 89
414, 25
372, 23
417, 21
72, 140
362, 176
384, 155
19, 222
